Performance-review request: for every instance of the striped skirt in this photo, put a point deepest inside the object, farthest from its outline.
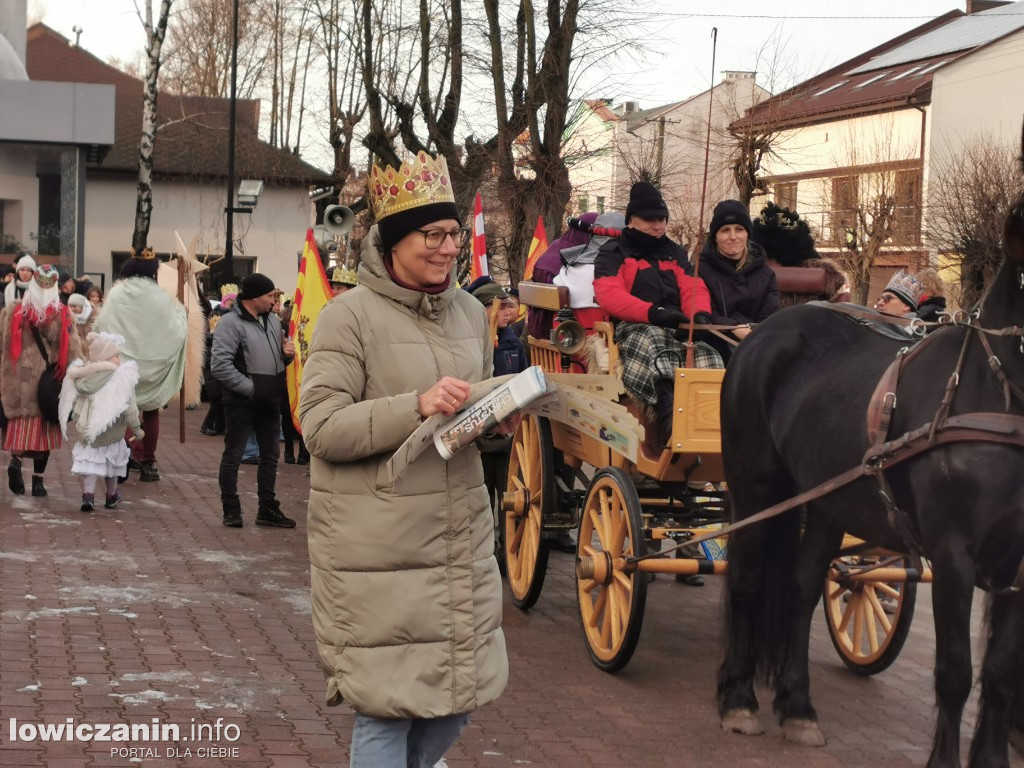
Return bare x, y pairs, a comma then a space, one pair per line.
31, 433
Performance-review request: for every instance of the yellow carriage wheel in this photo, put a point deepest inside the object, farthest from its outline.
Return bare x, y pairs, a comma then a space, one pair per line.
868, 621
528, 501
611, 596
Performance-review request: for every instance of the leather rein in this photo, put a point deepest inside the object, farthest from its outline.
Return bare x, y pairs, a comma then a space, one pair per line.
998, 428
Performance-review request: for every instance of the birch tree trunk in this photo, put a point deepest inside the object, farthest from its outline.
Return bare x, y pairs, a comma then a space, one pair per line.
144, 201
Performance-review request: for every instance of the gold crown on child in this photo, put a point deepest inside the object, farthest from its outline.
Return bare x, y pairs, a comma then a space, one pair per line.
419, 181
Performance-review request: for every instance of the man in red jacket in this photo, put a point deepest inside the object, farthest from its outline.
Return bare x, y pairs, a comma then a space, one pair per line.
643, 280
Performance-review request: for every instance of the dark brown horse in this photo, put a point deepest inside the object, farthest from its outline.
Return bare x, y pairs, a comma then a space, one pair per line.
794, 415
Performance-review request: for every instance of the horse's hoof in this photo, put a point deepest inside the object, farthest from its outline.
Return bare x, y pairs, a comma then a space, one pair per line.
742, 721
803, 732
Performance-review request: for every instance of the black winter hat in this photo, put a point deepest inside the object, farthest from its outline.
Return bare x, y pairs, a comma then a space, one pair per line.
255, 285
645, 201
730, 212
396, 226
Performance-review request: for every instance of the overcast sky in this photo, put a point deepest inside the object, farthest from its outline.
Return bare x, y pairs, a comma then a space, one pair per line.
811, 35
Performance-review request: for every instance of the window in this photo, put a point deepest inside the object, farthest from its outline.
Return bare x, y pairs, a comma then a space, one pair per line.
583, 203
785, 194
832, 87
600, 204
907, 215
874, 79
844, 208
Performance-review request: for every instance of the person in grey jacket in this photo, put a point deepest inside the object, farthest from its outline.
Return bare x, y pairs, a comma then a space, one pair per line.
248, 358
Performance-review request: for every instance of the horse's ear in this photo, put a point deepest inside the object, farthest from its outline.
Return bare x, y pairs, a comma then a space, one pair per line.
1013, 230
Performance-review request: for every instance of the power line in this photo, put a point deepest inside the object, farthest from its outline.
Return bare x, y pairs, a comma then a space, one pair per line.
671, 15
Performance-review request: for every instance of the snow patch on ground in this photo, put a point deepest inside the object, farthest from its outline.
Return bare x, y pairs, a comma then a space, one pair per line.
45, 613
228, 561
45, 518
152, 503
30, 688
78, 682
124, 613
20, 557
144, 697
297, 598
224, 692
99, 557
125, 595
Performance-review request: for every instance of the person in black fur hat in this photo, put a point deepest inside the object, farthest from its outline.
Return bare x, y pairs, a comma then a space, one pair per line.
734, 268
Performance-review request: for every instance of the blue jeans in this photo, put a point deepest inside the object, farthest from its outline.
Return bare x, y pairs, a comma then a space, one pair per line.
408, 743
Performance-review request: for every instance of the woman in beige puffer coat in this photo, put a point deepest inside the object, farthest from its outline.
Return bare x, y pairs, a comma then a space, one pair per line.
406, 592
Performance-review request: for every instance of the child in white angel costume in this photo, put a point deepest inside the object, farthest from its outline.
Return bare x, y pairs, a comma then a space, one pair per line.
99, 394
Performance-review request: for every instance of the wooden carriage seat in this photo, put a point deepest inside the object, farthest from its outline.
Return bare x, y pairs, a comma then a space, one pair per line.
544, 353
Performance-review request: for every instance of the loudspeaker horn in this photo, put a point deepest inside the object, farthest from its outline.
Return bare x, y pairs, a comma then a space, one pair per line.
569, 336
339, 220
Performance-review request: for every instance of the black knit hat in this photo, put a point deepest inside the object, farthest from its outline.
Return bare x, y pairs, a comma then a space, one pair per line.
646, 202
730, 212
255, 285
396, 226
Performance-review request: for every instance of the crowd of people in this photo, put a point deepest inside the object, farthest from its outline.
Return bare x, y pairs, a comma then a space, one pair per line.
406, 589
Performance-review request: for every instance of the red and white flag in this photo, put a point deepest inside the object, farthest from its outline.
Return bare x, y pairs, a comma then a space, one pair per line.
478, 268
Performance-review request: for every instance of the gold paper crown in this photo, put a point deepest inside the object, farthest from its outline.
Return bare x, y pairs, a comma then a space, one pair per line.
228, 288
147, 253
419, 181
345, 276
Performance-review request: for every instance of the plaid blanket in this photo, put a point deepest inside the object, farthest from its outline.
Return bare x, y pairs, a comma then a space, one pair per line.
650, 353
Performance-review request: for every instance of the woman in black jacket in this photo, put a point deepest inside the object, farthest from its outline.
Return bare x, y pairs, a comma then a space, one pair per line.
742, 285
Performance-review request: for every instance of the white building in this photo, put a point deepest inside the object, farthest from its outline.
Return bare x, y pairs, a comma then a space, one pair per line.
190, 178
611, 147
877, 127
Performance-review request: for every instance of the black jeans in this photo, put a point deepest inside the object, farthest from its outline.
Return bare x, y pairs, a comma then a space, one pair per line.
265, 420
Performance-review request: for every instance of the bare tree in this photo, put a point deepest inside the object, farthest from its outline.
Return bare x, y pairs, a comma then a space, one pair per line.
197, 60
338, 27
155, 33
756, 132
971, 187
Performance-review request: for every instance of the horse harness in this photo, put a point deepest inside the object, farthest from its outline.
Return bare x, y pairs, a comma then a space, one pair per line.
1000, 428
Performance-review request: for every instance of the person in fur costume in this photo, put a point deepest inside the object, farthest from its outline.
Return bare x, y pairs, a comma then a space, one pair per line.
84, 315
23, 271
34, 332
100, 396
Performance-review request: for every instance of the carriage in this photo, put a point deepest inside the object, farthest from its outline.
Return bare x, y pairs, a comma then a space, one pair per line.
626, 511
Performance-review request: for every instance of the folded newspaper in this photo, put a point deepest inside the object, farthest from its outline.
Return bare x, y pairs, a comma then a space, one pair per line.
490, 402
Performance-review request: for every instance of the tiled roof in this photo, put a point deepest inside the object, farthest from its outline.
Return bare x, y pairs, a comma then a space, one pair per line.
602, 110
850, 88
193, 142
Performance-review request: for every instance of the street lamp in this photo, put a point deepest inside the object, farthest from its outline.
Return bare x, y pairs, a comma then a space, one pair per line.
230, 210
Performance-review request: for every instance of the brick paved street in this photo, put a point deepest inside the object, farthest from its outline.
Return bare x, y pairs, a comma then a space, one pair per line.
158, 611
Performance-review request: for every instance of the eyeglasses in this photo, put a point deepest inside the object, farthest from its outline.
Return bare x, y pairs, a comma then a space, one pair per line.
885, 298
434, 238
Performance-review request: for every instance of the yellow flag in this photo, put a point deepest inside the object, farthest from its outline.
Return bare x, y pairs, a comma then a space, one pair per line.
312, 292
